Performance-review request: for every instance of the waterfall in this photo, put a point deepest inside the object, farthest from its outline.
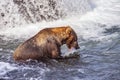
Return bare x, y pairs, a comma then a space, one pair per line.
19, 12
89, 18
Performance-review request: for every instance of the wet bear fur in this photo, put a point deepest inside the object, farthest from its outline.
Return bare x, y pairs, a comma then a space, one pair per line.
46, 44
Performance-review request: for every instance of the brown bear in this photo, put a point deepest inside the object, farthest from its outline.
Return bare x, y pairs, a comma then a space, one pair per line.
46, 44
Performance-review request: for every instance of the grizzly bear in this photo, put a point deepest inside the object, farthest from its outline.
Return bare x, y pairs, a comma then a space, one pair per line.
46, 44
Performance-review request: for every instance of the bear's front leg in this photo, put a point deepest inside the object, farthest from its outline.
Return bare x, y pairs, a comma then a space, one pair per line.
53, 48
55, 52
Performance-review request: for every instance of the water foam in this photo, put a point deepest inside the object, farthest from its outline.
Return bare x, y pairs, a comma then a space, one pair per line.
6, 67
106, 12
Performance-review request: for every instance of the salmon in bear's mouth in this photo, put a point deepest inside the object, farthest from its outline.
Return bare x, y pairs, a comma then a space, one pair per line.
71, 52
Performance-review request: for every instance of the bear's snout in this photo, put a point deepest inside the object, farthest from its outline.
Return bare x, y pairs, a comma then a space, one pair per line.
76, 46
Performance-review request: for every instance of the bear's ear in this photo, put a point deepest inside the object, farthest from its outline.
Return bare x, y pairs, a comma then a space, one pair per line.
68, 30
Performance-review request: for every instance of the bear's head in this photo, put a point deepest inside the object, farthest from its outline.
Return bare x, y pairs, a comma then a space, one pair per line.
71, 38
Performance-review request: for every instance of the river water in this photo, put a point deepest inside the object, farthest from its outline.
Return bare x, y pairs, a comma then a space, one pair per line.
97, 24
